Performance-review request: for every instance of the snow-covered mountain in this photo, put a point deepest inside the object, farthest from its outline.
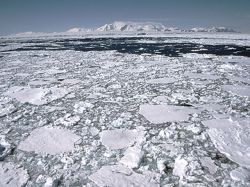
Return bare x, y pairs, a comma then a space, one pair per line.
132, 26
154, 27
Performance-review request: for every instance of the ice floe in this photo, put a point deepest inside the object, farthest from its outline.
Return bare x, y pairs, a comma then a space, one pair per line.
165, 113
36, 96
238, 90
12, 176
48, 140
121, 176
120, 138
231, 138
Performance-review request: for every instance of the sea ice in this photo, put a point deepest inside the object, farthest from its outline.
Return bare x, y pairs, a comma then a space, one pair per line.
180, 167
12, 176
116, 175
49, 140
132, 157
36, 96
165, 80
231, 138
164, 113
5, 147
238, 90
240, 174
119, 138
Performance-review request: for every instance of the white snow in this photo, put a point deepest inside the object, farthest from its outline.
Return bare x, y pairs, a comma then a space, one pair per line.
116, 175
164, 113
49, 140
36, 96
132, 157
12, 176
119, 138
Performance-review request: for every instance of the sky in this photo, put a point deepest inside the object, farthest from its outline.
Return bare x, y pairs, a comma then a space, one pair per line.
60, 15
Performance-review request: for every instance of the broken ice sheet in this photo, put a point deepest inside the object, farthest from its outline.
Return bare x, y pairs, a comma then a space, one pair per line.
165, 80
12, 176
49, 140
165, 113
231, 138
120, 138
117, 175
36, 96
238, 90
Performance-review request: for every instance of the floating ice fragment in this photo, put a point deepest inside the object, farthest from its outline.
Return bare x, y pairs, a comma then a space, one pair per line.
81, 106
116, 175
238, 90
48, 140
68, 120
121, 138
11, 176
132, 157
240, 174
165, 80
180, 167
5, 148
36, 96
231, 138
164, 113
209, 163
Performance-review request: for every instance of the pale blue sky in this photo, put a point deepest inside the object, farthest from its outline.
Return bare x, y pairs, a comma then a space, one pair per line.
60, 15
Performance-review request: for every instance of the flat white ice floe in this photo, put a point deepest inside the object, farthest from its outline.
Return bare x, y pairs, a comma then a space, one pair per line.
164, 113
240, 174
36, 96
165, 80
117, 175
120, 138
11, 176
231, 138
49, 140
238, 90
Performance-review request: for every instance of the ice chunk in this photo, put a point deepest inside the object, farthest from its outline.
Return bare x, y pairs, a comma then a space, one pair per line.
5, 148
180, 167
238, 90
132, 157
118, 138
68, 120
231, 138
116, 175
209, 163
36, 96
81, 106
164, 113
11, 176
48, 140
